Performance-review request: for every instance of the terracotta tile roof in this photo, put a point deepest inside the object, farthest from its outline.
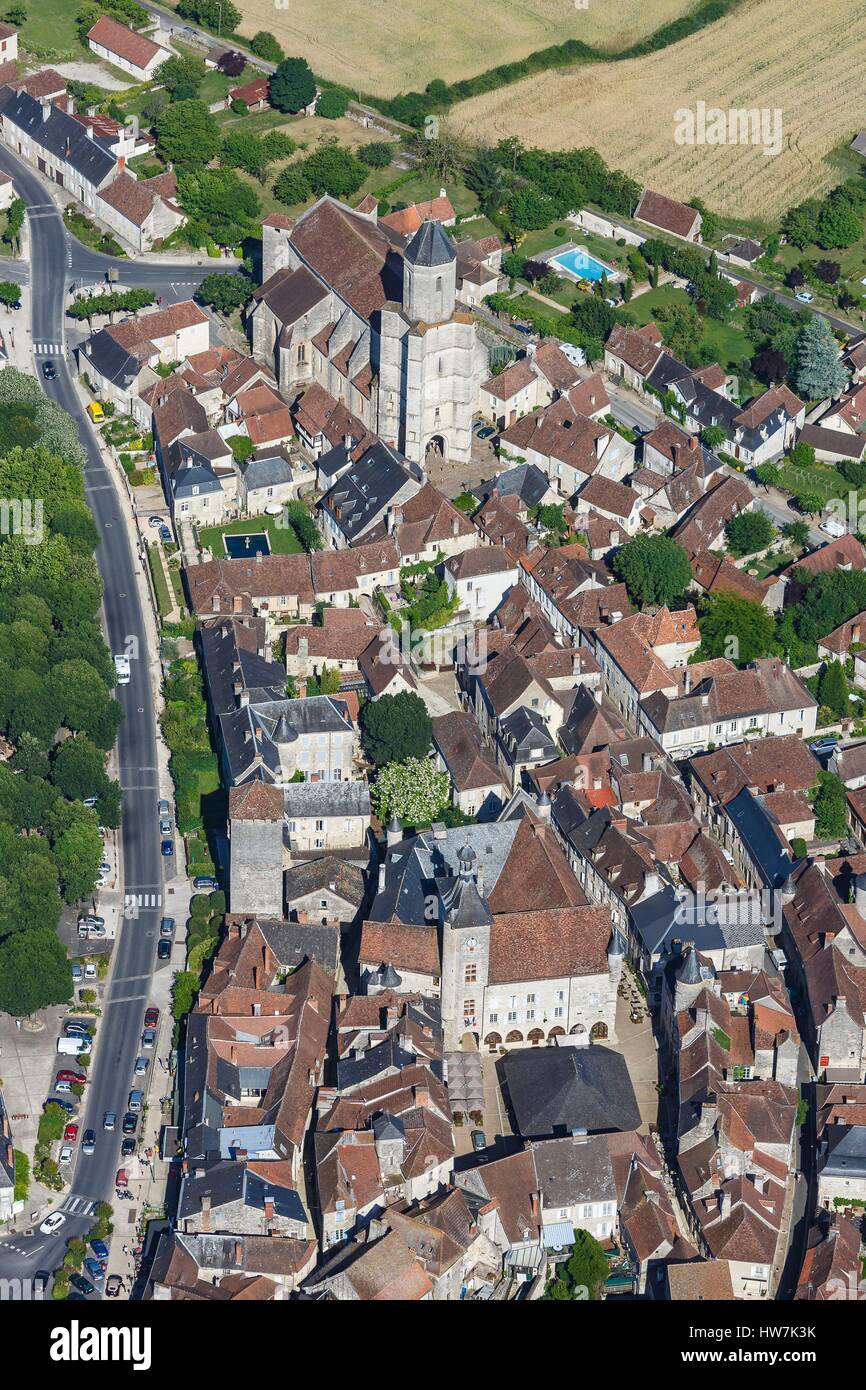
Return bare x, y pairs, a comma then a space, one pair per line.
350, 254
134, 48
845, 553
252, 93
590, 396
559, 431
553, 364
336, 571
256, 801
723, 576
515, 378
547, 945
666, 213
457, 737
759, 410
413, 948
768, 764
609, 496
707, 1280
699, 527
639, 348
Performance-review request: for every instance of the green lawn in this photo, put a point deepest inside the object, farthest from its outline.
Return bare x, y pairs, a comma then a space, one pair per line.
821, 479
157, 574
282, 538
49, 30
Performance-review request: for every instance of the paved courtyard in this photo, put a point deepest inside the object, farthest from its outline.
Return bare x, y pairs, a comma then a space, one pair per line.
637, 1045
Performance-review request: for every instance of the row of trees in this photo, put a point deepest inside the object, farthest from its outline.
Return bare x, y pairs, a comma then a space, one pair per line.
57, 710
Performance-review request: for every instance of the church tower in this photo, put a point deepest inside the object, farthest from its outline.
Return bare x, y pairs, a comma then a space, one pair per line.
429, 276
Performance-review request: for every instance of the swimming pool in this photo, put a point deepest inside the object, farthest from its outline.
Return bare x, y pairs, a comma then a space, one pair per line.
246, 543
583, 265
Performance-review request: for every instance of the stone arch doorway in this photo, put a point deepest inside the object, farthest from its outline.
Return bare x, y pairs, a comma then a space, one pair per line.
535, 1036
514, 1036
493, 1040
577, 1030
436, 448
556, 1032
598, 1031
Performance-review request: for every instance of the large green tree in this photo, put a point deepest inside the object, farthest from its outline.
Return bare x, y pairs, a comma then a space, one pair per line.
735, 628
654, 569
833, 689
396, 727
292, 86
34, 973
749, 531
830, 805
819, 373
187, 134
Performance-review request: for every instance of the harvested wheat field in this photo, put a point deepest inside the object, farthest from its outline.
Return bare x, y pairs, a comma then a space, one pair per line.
389, 46
804, 57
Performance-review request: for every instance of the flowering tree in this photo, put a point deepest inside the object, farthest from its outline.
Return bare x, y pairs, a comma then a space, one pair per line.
413, 791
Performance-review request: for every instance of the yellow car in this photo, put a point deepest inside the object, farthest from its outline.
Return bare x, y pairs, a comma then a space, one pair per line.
96, 413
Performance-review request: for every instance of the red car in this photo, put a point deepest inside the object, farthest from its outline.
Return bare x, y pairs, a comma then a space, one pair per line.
151, 1017
76, 1078
70, 1134
121, 1178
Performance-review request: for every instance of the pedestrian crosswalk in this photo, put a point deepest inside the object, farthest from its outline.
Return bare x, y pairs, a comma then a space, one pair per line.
142, 900
47, 349
78, 1206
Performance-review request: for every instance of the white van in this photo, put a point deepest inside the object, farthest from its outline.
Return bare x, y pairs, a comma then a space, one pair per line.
121, 666
74, 1046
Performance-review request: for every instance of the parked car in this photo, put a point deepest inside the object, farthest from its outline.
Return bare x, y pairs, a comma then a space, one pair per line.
91, 919
113, 1285
73, 1046
151, 1015
52, 1223
163, 808
65, 1105
165, 826
205, 883
164, 534
70, 1134
127, 1148
100, 1249
163, 950
148, 1037
94, 1269
805, 296
49, 371
141, 1065
167, 849
479, 1140
486, 432
65, 1155
105, 866
135, 1101
90, 801
83, 1285
155, 521
121, 1178
90, 967
130, 1122
823, 745
109, 1120
63, 1087
41, 1280
88, 1143
166, 927
77, 1078
76, 1030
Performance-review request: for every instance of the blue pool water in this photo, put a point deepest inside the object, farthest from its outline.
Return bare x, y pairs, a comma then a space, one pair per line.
238, 546
582, 264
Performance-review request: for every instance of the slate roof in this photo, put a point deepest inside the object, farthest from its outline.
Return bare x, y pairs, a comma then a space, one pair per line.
326, 799
555, 1090
430, 246
62, 136
360, 496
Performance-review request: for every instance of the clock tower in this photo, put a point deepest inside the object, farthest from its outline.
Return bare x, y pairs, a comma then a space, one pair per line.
465, 921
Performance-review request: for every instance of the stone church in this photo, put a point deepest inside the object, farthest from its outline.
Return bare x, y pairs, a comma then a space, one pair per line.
373, 318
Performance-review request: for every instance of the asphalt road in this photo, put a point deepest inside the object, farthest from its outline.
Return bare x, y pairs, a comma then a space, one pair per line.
53, 261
